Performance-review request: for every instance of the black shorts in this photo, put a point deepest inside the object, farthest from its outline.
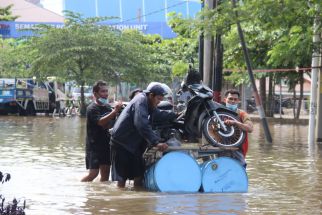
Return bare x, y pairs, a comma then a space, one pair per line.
94, 159
125, 165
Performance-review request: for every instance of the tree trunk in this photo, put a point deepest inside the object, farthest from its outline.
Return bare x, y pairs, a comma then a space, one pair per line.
262, 92
271, 100
294, 102
82, 101
301, 94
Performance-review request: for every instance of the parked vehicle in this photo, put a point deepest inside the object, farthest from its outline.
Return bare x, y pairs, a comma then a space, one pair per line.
251, 105
25, 96
76, 92
76, 95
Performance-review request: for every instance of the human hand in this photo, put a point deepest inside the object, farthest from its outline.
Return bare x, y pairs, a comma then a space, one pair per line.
118, 106
162, 146
230, 122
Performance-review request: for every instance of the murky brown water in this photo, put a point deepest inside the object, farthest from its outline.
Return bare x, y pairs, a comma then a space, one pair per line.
45, 157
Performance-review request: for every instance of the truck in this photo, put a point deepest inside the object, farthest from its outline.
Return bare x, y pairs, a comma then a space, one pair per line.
26, 96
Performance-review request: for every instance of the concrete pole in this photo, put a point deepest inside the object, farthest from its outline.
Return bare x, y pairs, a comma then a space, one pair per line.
319, 109
187, 9
96, 8
201, 49
143, 11
314, 80
166, 10
208, 52
121, 10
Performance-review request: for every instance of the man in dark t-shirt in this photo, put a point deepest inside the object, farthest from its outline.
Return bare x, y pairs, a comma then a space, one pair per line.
100, 117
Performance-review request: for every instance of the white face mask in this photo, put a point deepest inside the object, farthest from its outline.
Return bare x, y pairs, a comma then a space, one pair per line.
103, 101
232, 107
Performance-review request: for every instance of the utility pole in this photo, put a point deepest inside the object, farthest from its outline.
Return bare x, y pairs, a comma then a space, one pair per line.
258, 101
208, 52
201, 49
121, 10
96, 8
201, 52
218, 68
314, 78
143, 11
319, 116
166, 10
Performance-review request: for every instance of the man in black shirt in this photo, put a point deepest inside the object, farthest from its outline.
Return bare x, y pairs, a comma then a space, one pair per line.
132, 133
100, 117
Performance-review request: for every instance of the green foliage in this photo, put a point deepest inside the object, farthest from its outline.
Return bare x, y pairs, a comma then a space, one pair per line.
237, 78
165, 54
84, 51
181, 26
180, 69
6, 14
13, 59
215, 21
278, 33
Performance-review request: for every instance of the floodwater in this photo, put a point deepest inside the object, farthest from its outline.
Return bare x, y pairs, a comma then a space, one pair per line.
45, 157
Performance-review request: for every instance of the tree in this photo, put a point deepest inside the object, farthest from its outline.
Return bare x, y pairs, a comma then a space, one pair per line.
14, 61
7, 46
84, 51
6, 14
278, 35
171, 57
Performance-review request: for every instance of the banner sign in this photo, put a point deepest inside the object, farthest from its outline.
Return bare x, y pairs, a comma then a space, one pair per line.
22, 29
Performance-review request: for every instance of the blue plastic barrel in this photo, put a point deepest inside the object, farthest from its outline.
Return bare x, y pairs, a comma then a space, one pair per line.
224, 175
174, 172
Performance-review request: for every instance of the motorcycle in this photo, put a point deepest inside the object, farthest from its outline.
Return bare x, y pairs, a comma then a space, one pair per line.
202, 120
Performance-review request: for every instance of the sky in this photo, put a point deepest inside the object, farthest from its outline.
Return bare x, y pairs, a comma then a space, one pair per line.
53, 5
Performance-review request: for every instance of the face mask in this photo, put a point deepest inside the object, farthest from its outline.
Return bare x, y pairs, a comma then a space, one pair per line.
232, 107
103, 101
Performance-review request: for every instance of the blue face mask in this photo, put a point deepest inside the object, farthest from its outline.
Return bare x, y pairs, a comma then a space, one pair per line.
103, 101
232, 107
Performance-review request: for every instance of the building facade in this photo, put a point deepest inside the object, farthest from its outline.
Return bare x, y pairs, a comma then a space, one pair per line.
134, 10
147, 16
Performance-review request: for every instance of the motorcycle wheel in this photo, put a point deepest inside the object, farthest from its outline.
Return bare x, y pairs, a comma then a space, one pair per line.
212, 132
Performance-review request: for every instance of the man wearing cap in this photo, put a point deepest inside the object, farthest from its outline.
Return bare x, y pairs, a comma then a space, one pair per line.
132, 133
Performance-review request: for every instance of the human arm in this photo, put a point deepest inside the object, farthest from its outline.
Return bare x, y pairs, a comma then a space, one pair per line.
104, 121
245, 124
162, 146
143, 125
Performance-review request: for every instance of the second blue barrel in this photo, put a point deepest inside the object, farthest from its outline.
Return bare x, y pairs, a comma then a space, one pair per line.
174, 172
223, 175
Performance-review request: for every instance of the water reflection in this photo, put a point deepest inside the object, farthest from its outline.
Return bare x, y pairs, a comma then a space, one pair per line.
201, 204
46, 159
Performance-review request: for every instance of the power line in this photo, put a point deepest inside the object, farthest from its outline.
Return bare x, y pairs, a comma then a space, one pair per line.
273, 70
151, 13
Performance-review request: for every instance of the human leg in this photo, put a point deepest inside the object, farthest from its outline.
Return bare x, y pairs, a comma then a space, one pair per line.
92, 164
138, 182
121, 184
120, 165
104, 172
92, 174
